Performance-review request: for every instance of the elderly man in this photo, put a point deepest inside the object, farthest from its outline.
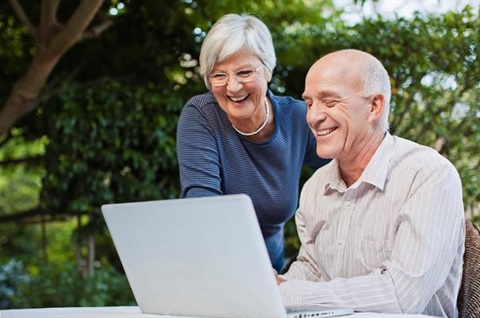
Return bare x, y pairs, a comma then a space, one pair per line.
382, 225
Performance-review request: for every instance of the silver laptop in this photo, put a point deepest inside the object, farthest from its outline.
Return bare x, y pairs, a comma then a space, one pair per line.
199, 257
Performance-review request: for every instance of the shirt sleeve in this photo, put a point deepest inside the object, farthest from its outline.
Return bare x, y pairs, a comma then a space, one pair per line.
424, 248
198, 155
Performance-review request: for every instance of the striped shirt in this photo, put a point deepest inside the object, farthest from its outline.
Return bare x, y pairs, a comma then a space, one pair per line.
392, 242
215, 160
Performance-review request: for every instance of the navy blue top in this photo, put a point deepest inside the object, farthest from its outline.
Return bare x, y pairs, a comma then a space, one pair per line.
214, 160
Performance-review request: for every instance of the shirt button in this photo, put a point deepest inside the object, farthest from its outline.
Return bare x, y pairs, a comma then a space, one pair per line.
347, 203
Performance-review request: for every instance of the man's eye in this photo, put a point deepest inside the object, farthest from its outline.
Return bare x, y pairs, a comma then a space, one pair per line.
329, 102
244, 73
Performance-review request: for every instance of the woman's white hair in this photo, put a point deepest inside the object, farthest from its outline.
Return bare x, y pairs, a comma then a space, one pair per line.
233, 33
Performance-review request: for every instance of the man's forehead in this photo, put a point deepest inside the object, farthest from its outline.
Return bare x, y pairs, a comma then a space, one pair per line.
322, 92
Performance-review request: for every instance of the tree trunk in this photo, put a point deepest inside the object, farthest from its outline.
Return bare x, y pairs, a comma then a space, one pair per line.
91, 254
78, 248
53, 40
91, 247
44, 240
26, 90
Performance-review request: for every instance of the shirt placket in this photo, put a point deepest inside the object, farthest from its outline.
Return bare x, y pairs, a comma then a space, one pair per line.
346, 212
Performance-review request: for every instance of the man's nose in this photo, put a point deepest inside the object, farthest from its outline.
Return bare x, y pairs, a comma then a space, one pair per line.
316, 114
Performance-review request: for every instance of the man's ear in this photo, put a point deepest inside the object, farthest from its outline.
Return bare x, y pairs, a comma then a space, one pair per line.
377, 107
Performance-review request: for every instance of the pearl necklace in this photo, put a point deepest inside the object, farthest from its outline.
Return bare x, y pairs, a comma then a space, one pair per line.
267, 110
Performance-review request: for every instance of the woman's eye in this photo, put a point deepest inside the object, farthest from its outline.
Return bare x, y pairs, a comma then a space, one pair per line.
244, 73
218, 76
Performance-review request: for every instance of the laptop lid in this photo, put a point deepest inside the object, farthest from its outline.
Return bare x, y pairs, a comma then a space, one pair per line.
199, 257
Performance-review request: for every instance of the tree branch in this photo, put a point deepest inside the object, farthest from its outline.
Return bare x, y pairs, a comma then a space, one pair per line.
33, 159
32, 216
48, 20
6, 138
75, 26
51, 47
96, 30
18, 9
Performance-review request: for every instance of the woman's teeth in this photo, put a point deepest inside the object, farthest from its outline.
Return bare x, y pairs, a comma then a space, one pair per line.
238, 99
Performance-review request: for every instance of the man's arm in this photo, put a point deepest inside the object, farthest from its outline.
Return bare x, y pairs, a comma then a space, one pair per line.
427, 244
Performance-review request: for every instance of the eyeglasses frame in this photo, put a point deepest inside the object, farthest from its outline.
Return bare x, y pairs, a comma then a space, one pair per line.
241, 80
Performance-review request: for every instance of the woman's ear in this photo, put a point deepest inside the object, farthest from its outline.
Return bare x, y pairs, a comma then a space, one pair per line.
268, 75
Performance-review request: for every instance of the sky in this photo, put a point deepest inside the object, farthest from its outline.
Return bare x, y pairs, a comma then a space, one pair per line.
404, 8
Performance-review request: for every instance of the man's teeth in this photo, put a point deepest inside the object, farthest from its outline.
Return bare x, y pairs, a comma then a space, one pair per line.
238, 99
324, 132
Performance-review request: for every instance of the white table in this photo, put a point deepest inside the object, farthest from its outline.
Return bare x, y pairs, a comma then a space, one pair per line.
128, 312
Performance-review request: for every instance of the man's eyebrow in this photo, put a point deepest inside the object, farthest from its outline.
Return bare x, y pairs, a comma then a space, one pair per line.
328, 93
323, 94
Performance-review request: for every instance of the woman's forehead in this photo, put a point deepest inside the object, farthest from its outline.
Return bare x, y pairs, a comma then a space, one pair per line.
240, 57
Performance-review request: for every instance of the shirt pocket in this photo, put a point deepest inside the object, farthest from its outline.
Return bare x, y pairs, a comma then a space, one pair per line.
373, 253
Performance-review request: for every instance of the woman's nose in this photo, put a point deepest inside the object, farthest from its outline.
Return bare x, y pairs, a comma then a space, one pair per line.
233, 84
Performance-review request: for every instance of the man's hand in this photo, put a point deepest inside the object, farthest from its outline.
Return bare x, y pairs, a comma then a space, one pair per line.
278, 278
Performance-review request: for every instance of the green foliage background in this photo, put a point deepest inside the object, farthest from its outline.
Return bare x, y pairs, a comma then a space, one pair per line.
107, 131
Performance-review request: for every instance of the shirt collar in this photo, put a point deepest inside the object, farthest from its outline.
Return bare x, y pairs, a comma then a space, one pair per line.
375, 172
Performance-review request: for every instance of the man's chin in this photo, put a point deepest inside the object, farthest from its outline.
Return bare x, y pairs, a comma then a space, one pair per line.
325, 153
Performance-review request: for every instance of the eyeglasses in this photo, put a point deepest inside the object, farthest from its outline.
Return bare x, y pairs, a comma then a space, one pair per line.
243, 76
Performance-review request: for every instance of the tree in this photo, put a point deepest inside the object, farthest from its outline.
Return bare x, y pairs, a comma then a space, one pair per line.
106, 133
52, 40
140, 68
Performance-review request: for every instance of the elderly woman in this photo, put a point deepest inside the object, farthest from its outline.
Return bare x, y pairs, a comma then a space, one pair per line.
241, 138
